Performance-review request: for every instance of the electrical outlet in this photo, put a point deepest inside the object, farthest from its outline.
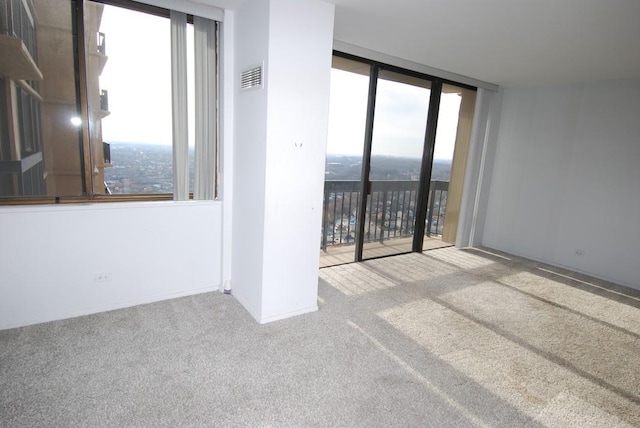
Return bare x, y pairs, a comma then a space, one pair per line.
102, 277
579, 252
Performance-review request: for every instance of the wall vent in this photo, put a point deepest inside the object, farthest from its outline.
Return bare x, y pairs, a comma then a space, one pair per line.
251, 78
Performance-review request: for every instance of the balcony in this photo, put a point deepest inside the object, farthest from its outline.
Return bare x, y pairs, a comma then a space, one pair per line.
389, 221
99, 56
18, 45
101, 43
16, 20
27, 176
104, 100
106, 154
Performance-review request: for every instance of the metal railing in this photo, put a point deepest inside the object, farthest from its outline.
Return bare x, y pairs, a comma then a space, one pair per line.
4, 11
17, 21
102, 43
104, 100
391, 210
106, 153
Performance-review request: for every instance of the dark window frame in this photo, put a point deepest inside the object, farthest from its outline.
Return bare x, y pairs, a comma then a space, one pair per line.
80, 69
375, 67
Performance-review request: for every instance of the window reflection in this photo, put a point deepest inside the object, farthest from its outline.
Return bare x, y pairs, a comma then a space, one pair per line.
39, 147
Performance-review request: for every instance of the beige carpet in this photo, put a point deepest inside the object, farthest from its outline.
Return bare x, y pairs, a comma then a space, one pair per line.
447, 338
565, 352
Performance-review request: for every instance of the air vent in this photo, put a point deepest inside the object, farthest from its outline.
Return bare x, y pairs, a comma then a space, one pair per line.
251, 78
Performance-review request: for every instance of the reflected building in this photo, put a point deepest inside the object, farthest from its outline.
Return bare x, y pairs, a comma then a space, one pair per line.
41, 153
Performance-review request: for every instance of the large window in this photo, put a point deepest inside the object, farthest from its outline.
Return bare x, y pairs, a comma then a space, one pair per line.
103, 103
396, 160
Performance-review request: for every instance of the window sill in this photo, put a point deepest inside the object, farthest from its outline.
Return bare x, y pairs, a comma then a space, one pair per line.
92, 205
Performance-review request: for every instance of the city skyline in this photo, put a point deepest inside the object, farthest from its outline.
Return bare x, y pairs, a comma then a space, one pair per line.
400, 119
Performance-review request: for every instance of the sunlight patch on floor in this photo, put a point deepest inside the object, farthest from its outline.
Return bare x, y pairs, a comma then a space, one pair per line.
595, 306
410, 267
353, 279
447, 398
590, 284
461, 259
569, 411
477, 352
523, 350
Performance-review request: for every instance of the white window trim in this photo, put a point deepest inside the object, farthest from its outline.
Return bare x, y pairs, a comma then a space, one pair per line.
189, 7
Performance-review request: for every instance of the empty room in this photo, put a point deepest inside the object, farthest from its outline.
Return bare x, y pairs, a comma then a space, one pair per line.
319, 213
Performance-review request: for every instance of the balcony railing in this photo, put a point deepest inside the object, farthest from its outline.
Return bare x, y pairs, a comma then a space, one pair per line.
3, 16
104, 100
17, 21
391, 210
106, 153
102, 43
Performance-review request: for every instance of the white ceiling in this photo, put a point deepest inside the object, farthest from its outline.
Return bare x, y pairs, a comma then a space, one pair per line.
508, 42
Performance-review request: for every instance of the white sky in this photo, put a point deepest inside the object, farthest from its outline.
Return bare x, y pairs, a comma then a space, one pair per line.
400, 118
138, 77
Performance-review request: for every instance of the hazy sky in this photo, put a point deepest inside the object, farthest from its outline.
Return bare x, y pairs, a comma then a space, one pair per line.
400, 118
138, 77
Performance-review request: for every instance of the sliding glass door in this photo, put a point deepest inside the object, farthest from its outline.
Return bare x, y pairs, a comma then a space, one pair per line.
343, 168
451, 146
395, 163
380, 197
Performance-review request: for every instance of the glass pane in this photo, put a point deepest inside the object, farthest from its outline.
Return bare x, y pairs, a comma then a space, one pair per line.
402, 107
452, 139
347, 121
129, 92
40, 137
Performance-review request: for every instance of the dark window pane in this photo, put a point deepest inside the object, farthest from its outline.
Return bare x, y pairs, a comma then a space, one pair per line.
40, 146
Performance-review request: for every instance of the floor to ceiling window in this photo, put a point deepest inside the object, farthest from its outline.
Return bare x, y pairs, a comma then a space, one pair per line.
397, 142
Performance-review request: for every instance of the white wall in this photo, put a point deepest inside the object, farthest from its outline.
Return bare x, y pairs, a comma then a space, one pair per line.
300, 49
566, 177
227, 114
50, 256
475, 178
280, 138
264, 238
252, 49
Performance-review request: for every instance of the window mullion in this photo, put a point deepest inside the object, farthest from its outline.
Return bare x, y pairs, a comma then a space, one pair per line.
83, 100
179, 106
205, 114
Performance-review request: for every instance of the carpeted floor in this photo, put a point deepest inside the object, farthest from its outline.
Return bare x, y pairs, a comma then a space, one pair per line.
447, 338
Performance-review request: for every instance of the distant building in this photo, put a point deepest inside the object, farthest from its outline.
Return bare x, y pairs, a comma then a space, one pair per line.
40, 144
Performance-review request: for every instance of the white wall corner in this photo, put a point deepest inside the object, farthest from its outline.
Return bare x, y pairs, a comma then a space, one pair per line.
494, 114
227, 115
477, 175
300, 52
250, 45
565, 178
278, 317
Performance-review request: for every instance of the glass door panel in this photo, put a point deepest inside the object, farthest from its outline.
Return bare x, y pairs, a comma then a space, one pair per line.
396, 159
455, 117
399, 126
343, 168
